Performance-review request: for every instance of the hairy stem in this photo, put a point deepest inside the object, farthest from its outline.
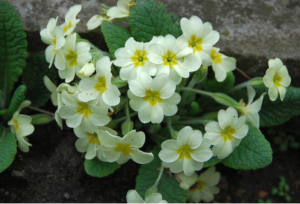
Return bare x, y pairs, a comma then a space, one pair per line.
41, 110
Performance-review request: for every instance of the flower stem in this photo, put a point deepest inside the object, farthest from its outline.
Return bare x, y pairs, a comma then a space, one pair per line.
243, 73
205, 93
171, 129
127, 110
159, 177
241, 86
41, 110
192, 122
124, 117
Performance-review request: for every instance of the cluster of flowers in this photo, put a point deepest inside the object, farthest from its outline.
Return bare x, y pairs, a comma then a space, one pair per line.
153, 70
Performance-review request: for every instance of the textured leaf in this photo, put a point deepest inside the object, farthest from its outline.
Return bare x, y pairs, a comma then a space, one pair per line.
13, 46
8, 149
97, 168
115, 36
36, 69
212, 162
168, 186
277, 112
16, 100
254, 152
221, 87
149, 18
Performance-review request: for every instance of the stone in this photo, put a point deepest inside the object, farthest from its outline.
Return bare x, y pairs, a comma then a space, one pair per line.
252, 31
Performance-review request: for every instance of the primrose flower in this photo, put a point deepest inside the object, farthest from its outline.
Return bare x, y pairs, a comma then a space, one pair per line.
202, 187
87, 70
86, 115
252, 108
221, 64
173, 57
77, 55
133, 197
277, 79
153, 98
90, 142
188, 153
121, 149
54, 37
100, 85
70, 19
199, 36
133, 59
96, 21
227, 133
21, 126
122, 10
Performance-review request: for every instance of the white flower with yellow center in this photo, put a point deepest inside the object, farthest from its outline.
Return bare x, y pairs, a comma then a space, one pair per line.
56, 96
54, 37
200, 36
173, 57
122, 9
221, 64
133, 59
86, 115
252, 108
202, 187
121, 149
277, 79
90, 142
87, 70
133, 197
96, 21
99, 86
70, 19
227, 133
77, 55
153, 98
188, 153
21, 126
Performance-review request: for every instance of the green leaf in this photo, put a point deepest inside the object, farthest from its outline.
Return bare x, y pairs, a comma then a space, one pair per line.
8, 148
36, 69
168, 185
13, 49
212, 162
254, 152
277, 112
115, 36
17, 99
149, 18
99, 169
127, 126
118, 82
40, 119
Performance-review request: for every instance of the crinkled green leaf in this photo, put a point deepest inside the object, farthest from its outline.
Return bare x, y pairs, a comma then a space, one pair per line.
212, 162
115, 36
254, 152
277, 112
16, 100
97, 168
36, 69
8, 148
168, 185
149, 18
13, 49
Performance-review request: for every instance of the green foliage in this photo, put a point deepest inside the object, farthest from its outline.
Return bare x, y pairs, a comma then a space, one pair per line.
8, 148
149, 18
99, 169
16, 100
115, 36
284, 140
254, 152
118, 82
40, 119
126, 127
277, 112
36, 69
13, 46
212, 162
168, 185
282, 190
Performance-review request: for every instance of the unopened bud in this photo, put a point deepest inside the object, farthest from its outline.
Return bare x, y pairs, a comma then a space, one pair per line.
87, 70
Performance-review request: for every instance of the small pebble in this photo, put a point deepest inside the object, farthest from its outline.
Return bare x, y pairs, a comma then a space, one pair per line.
67, 195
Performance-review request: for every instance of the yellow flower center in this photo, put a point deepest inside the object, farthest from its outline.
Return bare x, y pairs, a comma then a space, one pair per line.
65, 28
124, 148
185, 152
170, 59
16, 125
198, 185
139, 58
72, 58
216, 57
195, 43
227, 133
93, 138
277, 79
54, 41
84, 108
101, 86
153, 97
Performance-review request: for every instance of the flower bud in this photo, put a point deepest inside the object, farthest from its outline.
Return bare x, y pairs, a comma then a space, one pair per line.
257, 82
87, 70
